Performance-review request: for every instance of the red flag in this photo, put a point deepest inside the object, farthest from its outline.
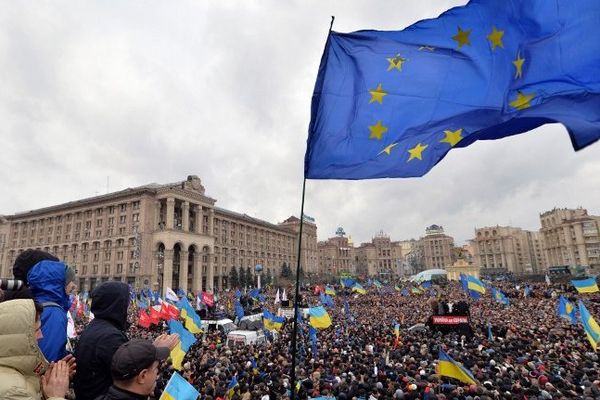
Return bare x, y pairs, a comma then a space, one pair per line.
172, 311
155, 316
80, 310
164, 312
144, 320
208, 299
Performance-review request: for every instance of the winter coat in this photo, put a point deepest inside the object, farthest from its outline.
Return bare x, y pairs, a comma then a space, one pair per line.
114, 393
21, 361
101, 339
47, 284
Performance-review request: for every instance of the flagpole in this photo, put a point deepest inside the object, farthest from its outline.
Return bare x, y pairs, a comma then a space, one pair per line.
297, 291
296, 295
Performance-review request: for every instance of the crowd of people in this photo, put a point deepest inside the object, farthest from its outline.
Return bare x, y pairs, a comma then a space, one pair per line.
519, 351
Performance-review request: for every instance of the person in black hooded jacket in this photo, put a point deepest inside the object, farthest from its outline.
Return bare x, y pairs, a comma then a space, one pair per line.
102, 337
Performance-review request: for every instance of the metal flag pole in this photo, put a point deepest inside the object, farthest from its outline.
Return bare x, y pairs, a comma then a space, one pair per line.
297, 291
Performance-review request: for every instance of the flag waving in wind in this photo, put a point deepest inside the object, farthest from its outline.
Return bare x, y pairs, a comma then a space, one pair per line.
393, 104
450, 368
567, 310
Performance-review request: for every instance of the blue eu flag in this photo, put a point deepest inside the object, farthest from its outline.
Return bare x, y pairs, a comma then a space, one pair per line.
392, 104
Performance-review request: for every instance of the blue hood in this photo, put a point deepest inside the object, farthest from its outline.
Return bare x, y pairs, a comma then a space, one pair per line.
47, 282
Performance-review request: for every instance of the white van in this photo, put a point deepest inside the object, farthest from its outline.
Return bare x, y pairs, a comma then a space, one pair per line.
224, 325
237, 338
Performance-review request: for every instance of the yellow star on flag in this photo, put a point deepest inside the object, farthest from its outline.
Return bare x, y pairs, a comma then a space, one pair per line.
377, 94
462, 37
518, 63
377, 131
452, 137
396, 62
388, 149
416, 152
495, 38
522, 101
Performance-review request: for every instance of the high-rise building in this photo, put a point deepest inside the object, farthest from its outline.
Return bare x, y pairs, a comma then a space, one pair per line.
571, 238
501, 249
337, 255
379, 258
163, 236
435, 249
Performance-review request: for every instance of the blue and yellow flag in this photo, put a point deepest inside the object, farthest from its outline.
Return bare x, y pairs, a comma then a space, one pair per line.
330, 291
179, 389
475, 284
231, 387
186, 340
567, 310
397, 330
452, 369
192, 320
500, 297
416, 290
358, 288
319, 318
585, 285
393, 104
272, 322
590, 326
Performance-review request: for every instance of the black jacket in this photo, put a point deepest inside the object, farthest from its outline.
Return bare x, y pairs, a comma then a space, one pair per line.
114, 393
101, 339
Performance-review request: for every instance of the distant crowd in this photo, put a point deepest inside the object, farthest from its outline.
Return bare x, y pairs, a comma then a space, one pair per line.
379, 345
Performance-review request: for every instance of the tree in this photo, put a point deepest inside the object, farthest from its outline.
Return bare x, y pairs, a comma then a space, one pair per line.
249, 277
269, 277
286, 272
243, 279
233, 277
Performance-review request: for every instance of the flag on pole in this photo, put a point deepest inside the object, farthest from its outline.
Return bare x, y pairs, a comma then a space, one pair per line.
585, 285
319, 318
452, 369
384, 104
179, 389
277, 299
170, 295
590, 326
567, 310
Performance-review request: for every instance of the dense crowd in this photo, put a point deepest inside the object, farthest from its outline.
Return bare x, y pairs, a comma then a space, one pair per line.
532, 353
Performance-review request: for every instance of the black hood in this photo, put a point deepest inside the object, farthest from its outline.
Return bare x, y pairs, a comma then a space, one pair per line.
110, 301
26, 260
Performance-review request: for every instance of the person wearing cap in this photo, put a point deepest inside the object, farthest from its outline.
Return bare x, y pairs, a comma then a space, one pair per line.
102, 337
134, 370
50, 283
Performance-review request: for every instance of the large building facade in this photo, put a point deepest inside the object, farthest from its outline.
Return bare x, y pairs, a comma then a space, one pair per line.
155, 235
501, 249
436, 248
571, 238
337, 255
381, 257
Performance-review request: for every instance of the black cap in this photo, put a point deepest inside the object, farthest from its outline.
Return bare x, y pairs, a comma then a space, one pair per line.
134, 356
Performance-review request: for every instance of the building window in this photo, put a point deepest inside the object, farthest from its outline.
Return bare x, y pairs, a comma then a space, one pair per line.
119, 268
95, 269
122, 219
123, 207
135, 205
135, 217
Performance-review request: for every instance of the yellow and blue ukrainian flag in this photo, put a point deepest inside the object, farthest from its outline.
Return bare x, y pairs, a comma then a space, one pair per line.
272, 322
231, 387
330, 291
592, 330
179, 389
585, 285
186, 340
358, 288
394, 103
567, 310
192, 320
452, 369
475, 284
319, 318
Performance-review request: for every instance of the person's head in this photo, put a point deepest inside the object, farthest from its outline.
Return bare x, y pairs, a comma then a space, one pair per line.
110, 301
135, 366
69, 279
26, 260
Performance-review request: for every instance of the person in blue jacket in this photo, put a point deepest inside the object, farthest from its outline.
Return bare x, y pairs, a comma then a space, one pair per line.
51, 282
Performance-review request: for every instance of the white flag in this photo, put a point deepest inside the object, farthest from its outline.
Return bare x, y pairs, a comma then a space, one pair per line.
547, 280
284, 296
171, 295
70, 326
277, 300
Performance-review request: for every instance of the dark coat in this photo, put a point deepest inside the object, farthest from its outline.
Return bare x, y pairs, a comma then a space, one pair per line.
114, 393
101, 339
